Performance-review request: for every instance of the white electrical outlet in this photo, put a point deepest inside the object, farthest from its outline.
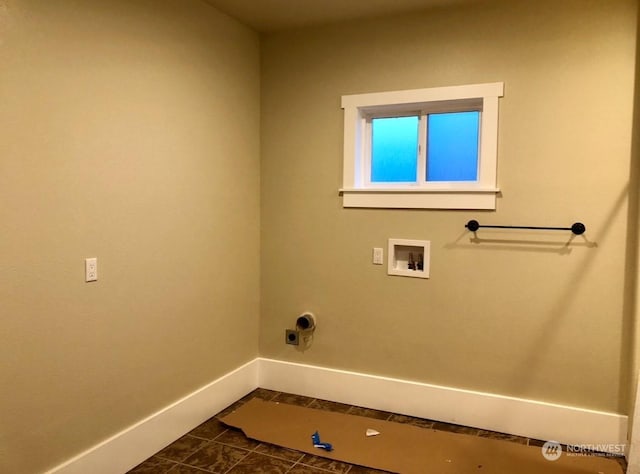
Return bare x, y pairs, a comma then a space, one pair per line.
91, 269
378, 256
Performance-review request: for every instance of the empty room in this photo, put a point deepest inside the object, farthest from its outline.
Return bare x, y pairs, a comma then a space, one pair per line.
420, 212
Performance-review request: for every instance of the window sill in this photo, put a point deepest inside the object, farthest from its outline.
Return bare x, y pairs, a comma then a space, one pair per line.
393, 198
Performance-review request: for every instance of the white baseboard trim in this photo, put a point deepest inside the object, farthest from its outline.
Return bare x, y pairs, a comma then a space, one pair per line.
528, 418
133, 445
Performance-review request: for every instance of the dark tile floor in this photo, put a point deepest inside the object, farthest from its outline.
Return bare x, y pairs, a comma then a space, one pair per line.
215, 448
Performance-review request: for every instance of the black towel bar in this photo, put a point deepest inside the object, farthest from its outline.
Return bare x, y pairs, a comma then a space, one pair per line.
578, 228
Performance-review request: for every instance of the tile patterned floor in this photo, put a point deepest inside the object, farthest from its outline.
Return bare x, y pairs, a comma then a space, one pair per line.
214, 448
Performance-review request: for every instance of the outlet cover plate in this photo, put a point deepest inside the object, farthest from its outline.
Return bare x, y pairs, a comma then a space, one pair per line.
291, 336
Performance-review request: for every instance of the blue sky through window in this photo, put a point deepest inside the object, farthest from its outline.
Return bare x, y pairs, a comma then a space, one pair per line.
394, 149
452, 146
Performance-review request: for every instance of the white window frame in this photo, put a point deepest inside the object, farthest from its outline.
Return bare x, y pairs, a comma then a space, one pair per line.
359, 109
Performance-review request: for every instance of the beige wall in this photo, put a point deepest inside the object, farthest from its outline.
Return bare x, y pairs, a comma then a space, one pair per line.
128, 131
634, 254
522, 315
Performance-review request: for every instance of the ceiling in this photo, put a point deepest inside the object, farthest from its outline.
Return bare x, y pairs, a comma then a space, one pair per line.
274, 15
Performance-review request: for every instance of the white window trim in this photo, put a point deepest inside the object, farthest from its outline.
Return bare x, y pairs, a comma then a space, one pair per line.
480, 194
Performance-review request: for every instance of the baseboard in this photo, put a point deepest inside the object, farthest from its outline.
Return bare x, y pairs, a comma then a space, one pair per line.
133, 445
528, 418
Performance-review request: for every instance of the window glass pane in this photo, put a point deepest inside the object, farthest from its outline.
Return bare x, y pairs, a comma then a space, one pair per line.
452, 146
394, 149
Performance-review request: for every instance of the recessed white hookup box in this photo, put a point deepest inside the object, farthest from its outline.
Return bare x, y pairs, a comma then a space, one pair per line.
409, 258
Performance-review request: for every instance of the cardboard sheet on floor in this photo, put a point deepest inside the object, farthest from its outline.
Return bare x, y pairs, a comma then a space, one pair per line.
400, 447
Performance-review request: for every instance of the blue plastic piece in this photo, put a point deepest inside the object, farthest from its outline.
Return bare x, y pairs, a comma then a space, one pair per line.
315, 437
